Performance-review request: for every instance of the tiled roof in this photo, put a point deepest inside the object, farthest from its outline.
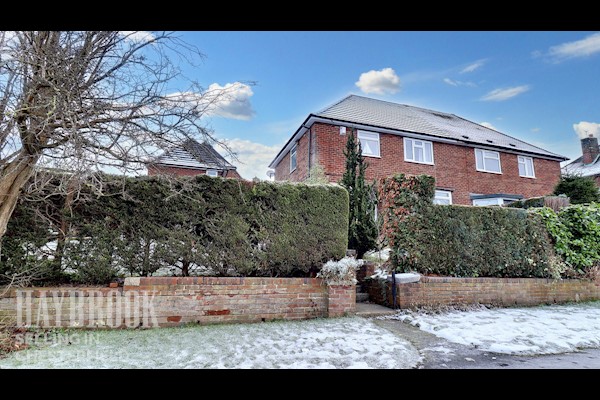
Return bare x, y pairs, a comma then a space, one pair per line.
192, 154
401, 117
577, 167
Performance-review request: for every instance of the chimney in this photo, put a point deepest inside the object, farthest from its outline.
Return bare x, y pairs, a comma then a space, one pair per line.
589, 146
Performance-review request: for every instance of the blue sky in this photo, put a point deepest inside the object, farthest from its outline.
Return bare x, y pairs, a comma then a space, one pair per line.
532, 85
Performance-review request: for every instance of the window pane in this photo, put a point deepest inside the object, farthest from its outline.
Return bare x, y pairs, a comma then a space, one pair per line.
442, 197
492, 164
491, 154
529, 164
368, 147
479, 158
419, 154
522, 170
368, 135
428, 152
408, 149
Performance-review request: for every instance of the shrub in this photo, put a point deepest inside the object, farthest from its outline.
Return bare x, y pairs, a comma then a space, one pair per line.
576, 234
553, 202
461, 240
362, 227
342, 272
580, 189
231, 227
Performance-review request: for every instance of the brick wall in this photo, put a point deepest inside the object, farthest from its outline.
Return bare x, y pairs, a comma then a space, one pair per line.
454, 167
151, 302
436, 291
178, 171
282, 170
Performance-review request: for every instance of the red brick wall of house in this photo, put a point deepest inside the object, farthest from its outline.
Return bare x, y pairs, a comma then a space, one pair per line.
454, 166
282, 170
177, 171
232, 173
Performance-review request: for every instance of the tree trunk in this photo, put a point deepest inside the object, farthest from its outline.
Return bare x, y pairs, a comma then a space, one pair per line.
12, 180
185, 267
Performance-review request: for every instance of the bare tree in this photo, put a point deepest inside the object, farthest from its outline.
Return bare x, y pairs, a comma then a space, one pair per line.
83, 101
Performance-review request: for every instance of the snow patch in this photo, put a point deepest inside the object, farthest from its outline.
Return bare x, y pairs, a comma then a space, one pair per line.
525, 331
323, 343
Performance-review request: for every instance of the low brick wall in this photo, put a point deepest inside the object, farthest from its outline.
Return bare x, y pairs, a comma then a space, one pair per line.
436, 291
152, 302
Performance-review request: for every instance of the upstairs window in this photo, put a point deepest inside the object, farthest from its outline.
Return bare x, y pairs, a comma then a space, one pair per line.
526, 167
369, 142
418, 151
488, 161
212, 173
293, 158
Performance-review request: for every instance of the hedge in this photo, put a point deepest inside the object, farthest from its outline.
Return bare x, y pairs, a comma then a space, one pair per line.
224, 226
462, 241
576, 234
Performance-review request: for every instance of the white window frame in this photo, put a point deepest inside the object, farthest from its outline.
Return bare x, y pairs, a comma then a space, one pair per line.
485, 155
213, 173
294, 157
523, 160
448, 197
421, 145
370, 138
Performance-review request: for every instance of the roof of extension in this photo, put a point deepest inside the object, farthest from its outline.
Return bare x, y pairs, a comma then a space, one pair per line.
193, 154
577, 167
402, 117
406, 119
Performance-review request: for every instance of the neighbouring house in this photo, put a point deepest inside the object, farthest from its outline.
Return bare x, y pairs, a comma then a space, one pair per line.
192, 158
589, 162
471, 164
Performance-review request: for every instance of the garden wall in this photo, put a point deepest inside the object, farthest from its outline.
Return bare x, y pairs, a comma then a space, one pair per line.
438, 291
159, 302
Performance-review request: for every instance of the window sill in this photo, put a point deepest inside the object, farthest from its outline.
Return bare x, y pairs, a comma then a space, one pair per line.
490, 172
419, 162
528, 177
366, 155
292, 171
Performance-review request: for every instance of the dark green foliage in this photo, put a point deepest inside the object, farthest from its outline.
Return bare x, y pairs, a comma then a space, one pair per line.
480, 241
576, 234
231, 227
580, 189
554, 202
362, 228
460, 240
403, 199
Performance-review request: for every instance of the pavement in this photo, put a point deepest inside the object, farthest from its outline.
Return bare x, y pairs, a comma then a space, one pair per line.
438, 353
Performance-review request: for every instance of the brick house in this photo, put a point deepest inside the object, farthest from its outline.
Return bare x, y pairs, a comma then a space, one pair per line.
589, 162
192, 158
471, 164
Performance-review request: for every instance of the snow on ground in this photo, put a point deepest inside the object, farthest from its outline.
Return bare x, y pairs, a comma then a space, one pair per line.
525, 331
323, 343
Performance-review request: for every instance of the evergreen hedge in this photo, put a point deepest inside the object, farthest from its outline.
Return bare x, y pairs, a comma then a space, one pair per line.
231, 227
460, 240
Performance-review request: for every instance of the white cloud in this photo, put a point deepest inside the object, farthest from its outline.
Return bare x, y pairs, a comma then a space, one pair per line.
453, 82
229, 101
473, 66
138, 36
233, 100
379, 82
579, 48
254, 158
488, 125
502, 94
535, 130
450, 82
585, 129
